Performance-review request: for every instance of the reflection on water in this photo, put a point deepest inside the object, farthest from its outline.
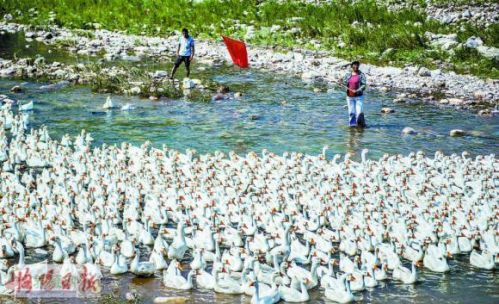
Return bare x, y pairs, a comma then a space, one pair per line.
354, 137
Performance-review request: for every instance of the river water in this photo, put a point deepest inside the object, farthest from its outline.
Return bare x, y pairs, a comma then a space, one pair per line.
277, 113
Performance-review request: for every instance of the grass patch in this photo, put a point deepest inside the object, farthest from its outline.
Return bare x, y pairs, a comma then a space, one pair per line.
361, 30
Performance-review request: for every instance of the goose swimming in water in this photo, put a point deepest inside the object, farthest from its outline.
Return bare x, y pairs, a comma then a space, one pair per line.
272, 219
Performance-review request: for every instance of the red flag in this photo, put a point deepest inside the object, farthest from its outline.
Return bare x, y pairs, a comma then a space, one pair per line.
237, 51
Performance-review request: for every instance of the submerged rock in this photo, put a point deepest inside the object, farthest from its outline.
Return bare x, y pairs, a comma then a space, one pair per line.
409, 131
456, 133
55, 86
16, 89
485, 112
387, 110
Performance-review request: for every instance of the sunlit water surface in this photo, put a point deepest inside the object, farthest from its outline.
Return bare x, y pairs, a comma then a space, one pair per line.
277, 113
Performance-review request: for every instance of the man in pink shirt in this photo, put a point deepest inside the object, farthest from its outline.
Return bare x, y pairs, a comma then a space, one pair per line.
355, 82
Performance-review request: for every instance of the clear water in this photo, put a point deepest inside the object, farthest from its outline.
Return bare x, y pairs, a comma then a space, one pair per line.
305, 122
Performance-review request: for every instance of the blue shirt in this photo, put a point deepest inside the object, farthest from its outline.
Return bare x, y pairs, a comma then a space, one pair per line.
186, 45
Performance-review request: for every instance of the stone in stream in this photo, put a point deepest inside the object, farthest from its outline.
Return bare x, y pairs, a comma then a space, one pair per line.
16, 89
409, 131
218, 96
386, 110
485, 112
130, 296
55, 86
223, 89
238, 95
457, 133
170, 300
455, 101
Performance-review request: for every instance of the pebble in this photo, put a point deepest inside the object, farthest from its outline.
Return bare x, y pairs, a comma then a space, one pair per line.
424, 72
135, 90
409, 131
223, 89
130, 296
218, 96
170, 300
456, 133
455, 101
16, 89
387, 110
238, 95
160, 74
485, 112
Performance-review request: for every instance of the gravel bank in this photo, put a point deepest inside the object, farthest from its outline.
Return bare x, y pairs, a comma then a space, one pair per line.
435, 86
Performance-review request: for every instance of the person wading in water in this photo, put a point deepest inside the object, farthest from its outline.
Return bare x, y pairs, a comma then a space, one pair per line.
185, 52
355, 82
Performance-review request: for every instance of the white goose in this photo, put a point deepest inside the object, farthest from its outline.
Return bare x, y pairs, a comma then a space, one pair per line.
292, 295
143, 269
405, 275
341, 293
174, 279
485, 260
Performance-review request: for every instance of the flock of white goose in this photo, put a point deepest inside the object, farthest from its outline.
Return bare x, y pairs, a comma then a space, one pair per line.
269, 226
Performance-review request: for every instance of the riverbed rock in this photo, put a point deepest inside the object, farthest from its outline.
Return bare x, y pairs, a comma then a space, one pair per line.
170, 300
160, 74
456, 133
218, 96
473, 42
424, 72
455, 101
135, 90
442, 41
188, 84
223, 89
16, 89
488, 52
387, 110
485, 112
409, 131
130, 296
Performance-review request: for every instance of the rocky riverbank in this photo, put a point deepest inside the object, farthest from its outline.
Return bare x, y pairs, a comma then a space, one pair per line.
434, 86
476, 12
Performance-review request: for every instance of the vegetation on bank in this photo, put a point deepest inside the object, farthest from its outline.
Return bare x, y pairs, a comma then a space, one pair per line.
362, 30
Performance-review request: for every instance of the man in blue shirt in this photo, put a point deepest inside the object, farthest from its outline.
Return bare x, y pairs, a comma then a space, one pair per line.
185, 52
